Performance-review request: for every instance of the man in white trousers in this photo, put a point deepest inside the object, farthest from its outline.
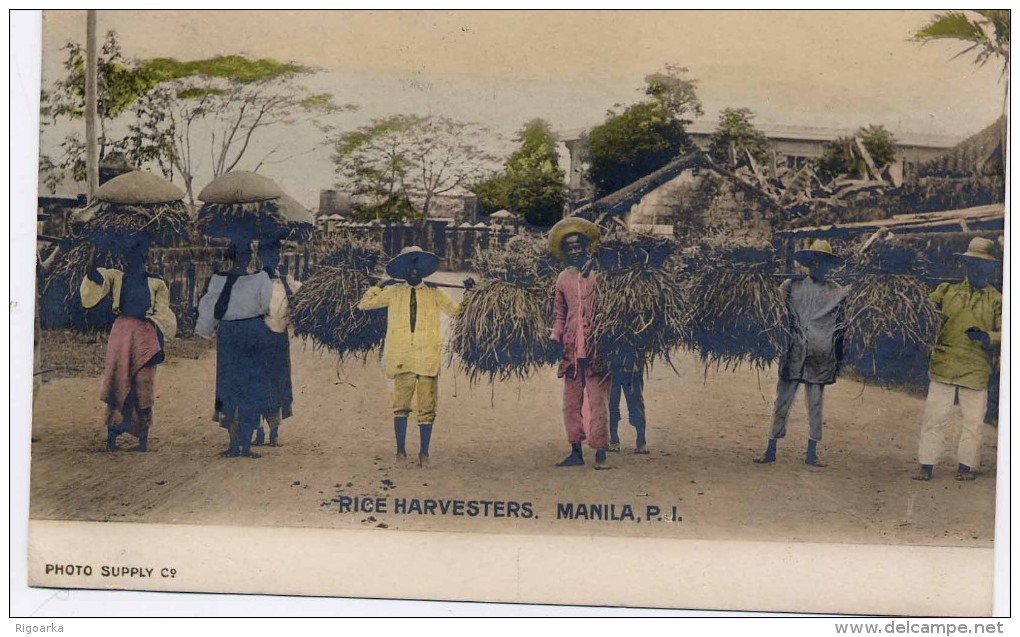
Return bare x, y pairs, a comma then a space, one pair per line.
961, 362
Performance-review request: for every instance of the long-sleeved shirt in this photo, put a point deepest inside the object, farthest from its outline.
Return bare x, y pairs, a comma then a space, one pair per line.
574, 317
249, 298
278, 317
406, 351
816, 312
159, 311
957, 359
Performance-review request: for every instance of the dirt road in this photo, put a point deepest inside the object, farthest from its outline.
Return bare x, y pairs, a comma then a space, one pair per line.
500, 444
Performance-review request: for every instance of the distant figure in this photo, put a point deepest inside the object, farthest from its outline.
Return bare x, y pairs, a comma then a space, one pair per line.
141, 302
961, 362
628, 383
281, 395
585, 382
413, 341
815, 351
233, 309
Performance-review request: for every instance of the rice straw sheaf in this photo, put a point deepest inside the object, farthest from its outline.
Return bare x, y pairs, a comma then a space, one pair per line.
504, 326
59, 298
166, 223
325, 308
245, 221
737, 313
891, 322
640, 312
503, 331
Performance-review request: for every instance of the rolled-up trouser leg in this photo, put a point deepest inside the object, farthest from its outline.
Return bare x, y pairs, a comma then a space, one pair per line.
785, 392
426, 396
972, 408
814, 394
403, 392
937, 409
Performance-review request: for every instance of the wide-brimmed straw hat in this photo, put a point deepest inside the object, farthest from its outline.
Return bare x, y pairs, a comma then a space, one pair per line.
138, 187
819, 249
569, 226
424, 262
240, 187
979, 248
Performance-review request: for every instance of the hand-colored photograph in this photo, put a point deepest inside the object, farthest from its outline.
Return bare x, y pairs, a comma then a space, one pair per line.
622, 281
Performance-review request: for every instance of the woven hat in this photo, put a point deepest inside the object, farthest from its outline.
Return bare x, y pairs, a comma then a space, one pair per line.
137, 187
425, 262
820, 249
240, 187
569, 226
978, 248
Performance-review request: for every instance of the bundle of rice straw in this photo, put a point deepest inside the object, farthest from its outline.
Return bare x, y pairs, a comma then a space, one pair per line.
640, 312
243, 206
891, 323
115, 224
59, 298
242, 222
737, 314
505, 323
325, 308
135, 203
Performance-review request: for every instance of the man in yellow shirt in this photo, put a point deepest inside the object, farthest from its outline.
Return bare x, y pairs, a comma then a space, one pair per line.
961, 362
413, 340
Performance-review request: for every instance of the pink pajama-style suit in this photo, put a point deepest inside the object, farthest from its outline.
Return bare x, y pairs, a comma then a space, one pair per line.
586, 384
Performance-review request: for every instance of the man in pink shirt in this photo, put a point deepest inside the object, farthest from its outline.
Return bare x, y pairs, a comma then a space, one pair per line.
586, 383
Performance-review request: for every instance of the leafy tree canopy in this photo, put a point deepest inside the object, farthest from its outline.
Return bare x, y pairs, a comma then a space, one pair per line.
843, 158
736, 137
646, 135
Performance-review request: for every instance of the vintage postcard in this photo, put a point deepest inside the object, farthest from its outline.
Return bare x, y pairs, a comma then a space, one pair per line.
656, 309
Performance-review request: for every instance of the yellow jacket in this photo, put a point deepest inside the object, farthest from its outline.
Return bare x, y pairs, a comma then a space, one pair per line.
957, 360
159, 308
416, 352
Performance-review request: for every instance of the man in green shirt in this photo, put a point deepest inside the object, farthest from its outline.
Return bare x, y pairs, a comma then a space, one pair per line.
961, 362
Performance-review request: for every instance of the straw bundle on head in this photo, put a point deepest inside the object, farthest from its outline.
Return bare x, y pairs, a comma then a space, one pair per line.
504, 326
325, 308
640, 313
242, 206
116, 224
891, 322
737, 313
135, 206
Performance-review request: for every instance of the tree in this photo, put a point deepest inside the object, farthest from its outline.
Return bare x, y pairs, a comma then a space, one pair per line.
493, 193
843, 156
677, 94
736, 139
646, 135
532, 184
986, 33
410, 157
121, 82
224, 101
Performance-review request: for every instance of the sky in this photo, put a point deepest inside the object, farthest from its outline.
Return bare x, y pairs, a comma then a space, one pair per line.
829, 69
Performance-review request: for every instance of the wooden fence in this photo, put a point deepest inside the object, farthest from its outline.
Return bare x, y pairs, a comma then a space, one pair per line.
187, 269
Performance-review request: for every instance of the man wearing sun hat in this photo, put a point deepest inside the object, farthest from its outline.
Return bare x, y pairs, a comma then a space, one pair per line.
961, 362
812, 359
586, 384
413, 340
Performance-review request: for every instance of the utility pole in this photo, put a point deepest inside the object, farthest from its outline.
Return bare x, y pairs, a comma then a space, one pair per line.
91, 104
